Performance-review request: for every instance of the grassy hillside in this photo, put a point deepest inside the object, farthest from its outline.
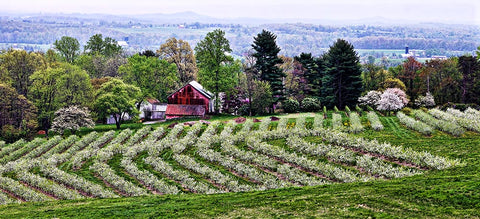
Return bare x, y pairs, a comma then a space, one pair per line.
435, 193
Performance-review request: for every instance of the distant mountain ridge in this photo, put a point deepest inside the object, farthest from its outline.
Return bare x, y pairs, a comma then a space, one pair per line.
192, 17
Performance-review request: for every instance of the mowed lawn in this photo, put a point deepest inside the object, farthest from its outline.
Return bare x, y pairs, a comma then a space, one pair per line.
436, 194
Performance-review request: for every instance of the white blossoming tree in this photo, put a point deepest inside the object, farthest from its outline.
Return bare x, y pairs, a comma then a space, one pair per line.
71, 118
370, 99
425, 101
392, 99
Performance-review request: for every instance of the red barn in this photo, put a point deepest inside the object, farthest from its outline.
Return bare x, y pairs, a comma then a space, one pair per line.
189, 100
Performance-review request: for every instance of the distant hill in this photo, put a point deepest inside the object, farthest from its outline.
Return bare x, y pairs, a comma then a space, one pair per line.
149, 31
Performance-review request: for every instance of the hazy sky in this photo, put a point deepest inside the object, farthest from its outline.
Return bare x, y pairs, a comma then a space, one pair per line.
453, 11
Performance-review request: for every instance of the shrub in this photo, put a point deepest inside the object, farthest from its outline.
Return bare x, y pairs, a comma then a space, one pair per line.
336, 109
290, 105
310, 105
425, 101
358, 109
374, 121
244, 110
393, 83
407, 110
347, 109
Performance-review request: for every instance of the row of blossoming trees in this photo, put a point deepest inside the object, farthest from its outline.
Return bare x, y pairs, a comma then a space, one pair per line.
203, 158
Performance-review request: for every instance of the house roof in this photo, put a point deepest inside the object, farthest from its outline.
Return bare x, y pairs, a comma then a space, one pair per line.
153, 101
185, 110
197, 87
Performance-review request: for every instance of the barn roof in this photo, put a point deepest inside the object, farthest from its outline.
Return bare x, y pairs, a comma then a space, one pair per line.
185, 110
197, 87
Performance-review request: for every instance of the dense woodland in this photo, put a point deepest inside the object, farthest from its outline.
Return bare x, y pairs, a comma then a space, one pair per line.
102, 78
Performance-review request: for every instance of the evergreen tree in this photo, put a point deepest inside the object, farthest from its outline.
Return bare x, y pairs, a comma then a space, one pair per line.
267, 60
313, 71
342, 82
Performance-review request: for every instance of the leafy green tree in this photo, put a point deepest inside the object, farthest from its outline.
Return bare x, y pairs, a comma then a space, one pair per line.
373, 75
57, 87
74, 86
266, 53
19, 65
148, 53
94, 44
342, 82
444, 79
72, 118
216, 70
17, 115
107, 47
155, 77
52, 57
5, 77
181, 54
98, 66
262, 97
68, 47
117, 99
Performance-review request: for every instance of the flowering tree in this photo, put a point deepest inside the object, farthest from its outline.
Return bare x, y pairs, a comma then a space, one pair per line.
425, 101
389, 102
370, 99
71, 118
400, 93
392, 99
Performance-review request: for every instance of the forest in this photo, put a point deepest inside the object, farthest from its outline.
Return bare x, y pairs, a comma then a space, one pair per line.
37, 87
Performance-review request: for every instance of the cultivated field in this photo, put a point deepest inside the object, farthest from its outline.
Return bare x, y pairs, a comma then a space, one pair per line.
340, 157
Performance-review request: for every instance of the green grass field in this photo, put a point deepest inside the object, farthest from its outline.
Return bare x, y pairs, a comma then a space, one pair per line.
451, 193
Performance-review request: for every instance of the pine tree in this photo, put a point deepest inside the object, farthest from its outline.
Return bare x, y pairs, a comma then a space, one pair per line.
342, 82
313, 71
266, 53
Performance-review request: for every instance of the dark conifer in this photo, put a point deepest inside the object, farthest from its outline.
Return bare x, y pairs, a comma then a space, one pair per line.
267, 60
342, 82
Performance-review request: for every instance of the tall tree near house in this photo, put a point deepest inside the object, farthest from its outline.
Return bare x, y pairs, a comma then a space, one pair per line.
214, 63
469, 66
409, 75
68, 47
181, 54
18, 66
267, 61
118, 99
342, 82
155, 77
